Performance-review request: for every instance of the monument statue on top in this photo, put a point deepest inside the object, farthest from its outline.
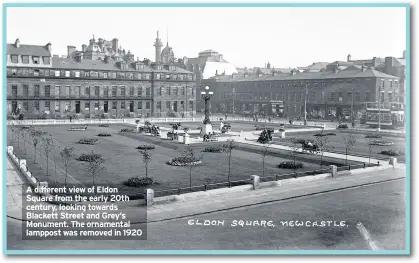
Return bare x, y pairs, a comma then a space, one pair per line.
206, 96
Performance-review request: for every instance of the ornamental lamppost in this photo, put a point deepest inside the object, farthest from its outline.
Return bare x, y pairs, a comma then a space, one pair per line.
206, 95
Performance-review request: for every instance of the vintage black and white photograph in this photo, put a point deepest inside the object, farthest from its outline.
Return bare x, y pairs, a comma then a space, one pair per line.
207, 128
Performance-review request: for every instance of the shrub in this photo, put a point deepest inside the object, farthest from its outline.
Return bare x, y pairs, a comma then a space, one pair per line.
89, 157
215, 149
89, 141
376, 136
290, 165
184, 161
342, 126
127, 130
103, 125
381, 143
104, 134
138, 181
392, 152
324, 134
146, 147
330, 134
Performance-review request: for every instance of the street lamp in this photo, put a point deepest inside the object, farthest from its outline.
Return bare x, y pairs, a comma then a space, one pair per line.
305, 106
234, 95
206, 96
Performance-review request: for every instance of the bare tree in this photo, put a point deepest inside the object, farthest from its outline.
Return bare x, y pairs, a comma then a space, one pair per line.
55, 151
66, 154
36, 137
263, 154
48, 144
23, 134
295, 143
322, 141
349, 141
229, 147
94, 165
146, 160
191, 160
13, 129
371, 145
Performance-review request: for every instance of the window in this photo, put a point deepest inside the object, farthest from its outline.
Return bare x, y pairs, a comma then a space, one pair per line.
130, 75
77, 91
87, 105
168, 91
14, 71
106, 91
25, 72
96, 90
14, 59
113, 75
350, 96
140, 105
158, 105
57, 91
147, 92
35, 60
86, 74
157, 75
36, 72
332, 96
57, 73
87, 91
94, 74
131, 91
140, 91
160, 91
47, 60
113, 91
25, 106
96, 105
25, 90
47, 91
357, 96
122, 105
131, 106
114, 105
67, 74
121, 75
190, 106
168, 105
36, 105
147, 105
57, 106
147, 76
367, 96
105, 106
36, 91
182, 91
176, 91
67, 106
25, 59
77, 74
340, 96
105, 75
14, 90
67, 91
47, 106
122, 91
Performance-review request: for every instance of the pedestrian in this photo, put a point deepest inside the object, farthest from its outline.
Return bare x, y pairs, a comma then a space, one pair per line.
71, 119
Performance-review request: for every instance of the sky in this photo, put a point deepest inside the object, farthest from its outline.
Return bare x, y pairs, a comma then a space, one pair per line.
285, 37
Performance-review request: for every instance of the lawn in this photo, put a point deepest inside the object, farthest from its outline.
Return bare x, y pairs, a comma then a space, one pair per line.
337, 144
123, 161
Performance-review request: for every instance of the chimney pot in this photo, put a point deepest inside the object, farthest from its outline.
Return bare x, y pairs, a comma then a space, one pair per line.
17, 43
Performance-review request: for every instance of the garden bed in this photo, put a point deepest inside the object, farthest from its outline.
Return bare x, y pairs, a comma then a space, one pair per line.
392, 152
146, 147
104, 134
103, 125
77, 129
215, 149
138, 181
184, 161
381, 143
127, 130
89, 141
290, 165
89, 157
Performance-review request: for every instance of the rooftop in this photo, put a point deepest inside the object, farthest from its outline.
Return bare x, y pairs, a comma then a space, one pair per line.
28, 50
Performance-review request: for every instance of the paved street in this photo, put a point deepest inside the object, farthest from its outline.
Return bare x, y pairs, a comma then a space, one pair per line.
380, 207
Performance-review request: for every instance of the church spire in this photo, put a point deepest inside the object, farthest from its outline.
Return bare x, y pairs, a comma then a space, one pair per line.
167, 33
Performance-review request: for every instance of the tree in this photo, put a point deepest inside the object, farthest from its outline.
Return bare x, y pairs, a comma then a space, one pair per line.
191, 160
66, 154
229, 147
36, 137
23, 134
295, 146
264, 153
94, 165
322, 141
13, 129
349, 141
370, 141
48, 144
146, 160
55, 151
18, 133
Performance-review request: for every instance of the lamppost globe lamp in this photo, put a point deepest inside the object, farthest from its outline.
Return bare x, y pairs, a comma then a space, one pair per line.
206, 96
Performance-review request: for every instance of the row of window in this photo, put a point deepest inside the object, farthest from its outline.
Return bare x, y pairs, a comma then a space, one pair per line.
97, 74
35, 59
311, 96
389, 82
175, 91
63, 91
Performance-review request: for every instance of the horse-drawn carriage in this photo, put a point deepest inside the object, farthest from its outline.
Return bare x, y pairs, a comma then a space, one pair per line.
310, 147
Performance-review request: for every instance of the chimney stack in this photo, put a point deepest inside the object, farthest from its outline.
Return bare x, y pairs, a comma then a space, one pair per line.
216, 72
70, 50
348, 58
84, 47
404, 54
17, 43
107, 59
48, 46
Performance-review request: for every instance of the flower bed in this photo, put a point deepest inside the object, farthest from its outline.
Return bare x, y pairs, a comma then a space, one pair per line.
392, 152
138, 181
88, 141
376, 136
381, 143
103, 125
184, 161
215, 149
104, 134
77, 129
146, 147
290, 165
89, 157
342, 126
324, 134
127, 130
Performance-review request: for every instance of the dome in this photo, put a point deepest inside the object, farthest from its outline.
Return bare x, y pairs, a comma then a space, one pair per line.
167, 50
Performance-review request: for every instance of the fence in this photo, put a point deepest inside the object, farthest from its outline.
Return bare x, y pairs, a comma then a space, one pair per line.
271, 178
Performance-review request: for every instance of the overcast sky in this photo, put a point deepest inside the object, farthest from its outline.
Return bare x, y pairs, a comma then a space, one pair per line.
286, 37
